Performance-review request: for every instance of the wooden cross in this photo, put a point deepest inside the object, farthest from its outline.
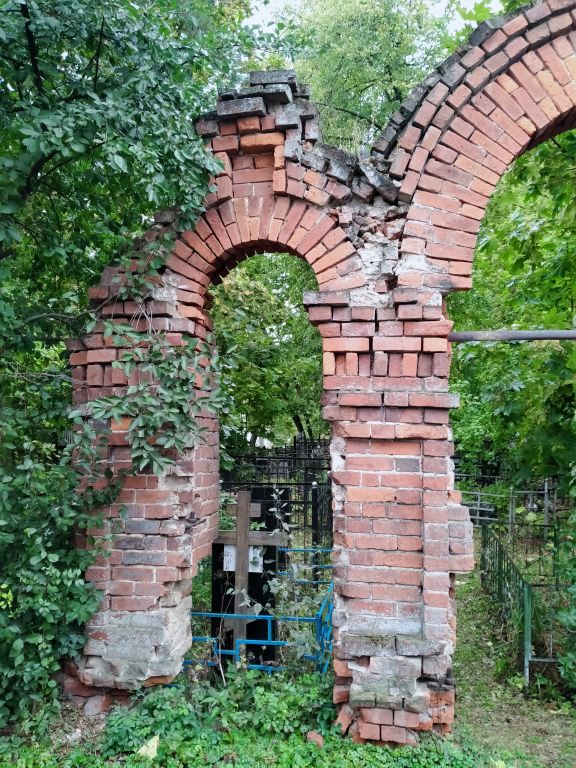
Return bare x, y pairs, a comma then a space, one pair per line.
243, 538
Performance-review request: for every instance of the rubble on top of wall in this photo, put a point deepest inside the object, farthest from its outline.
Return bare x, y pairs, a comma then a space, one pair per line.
279, 95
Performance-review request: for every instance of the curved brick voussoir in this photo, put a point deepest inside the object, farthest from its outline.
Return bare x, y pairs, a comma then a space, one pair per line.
510, 88
235, 229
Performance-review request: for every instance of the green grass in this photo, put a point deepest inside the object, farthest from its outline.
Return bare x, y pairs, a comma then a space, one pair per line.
491, 708
255, 721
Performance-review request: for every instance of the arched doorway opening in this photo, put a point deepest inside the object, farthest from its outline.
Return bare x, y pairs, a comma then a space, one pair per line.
514, 446
274, 446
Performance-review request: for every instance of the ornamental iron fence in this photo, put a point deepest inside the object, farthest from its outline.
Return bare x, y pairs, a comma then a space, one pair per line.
529, 602
293, 486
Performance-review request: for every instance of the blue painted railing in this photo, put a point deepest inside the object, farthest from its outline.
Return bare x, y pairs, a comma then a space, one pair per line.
314, 554
320, 657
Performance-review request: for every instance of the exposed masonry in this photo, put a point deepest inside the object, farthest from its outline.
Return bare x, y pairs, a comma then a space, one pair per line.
387, 237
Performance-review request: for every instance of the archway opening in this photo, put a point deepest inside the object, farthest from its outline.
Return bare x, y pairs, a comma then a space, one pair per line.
511, 393
274, 446
514, 442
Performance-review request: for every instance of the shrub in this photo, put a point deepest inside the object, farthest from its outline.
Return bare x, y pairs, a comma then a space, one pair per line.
43, 600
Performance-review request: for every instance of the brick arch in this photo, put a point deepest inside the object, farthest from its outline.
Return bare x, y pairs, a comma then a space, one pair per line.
230, 231
279, 189
399, 532
386, 236
511, 88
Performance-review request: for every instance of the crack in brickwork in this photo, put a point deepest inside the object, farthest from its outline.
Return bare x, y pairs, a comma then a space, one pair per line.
387, 237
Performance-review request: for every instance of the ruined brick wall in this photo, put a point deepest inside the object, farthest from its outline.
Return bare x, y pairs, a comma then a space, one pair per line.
387, 237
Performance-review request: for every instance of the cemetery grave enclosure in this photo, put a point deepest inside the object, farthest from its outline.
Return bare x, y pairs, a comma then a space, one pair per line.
387, 236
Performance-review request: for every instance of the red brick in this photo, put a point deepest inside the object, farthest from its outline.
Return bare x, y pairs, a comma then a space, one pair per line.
225, 144
341, 668
477, 78
460, 95
480, 170
433, 328
100, 355
311, 217
447, 252
329, 364
438, 93
527, 80
223, 188
261, 142
409, 185
340, 693
339, 192
454, 220
349, 344
444, 154
406, 719
136, 573
397, 593
94, 375
441, 202
369, 399
430, 138
510, 127
556, 91
253, 175
424, 114
400, 160
316, 234
316, 196
371, 495
228, 127
264, 160
334, 238
370, 731
351, 590
241, 162
279, 182
409, 139
448, 172
376, 715
248, 125
398, 559
199, 246
268, 123
443, 116
291, 221
132, 603
409, 364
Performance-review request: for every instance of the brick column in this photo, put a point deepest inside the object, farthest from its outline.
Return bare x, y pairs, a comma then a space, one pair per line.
399, 530
157, 529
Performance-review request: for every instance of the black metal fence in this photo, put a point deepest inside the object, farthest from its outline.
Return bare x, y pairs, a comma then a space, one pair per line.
293, 485
295, 481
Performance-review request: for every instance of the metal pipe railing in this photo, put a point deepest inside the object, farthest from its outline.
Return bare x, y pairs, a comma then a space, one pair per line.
515, 335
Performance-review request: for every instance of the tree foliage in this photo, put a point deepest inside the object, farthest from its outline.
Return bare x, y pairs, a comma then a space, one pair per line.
519, 399
97, 108
362, 58
273, 376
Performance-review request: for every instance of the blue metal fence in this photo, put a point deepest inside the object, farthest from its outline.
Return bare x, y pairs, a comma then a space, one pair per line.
320, 657
321, 636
